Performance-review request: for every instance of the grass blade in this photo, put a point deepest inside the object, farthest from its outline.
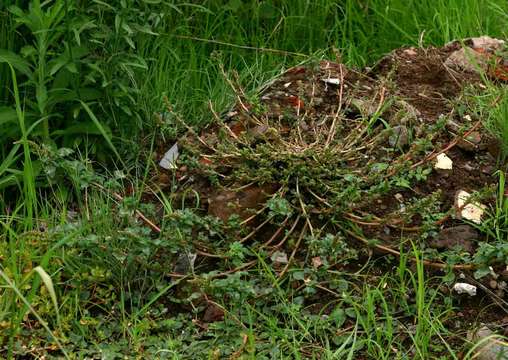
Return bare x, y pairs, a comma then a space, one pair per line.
46, 279
101, 128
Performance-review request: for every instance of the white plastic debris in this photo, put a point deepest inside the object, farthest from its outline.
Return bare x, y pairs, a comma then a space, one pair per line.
333, 81
472, 211
169, 158
443, 162
465, 288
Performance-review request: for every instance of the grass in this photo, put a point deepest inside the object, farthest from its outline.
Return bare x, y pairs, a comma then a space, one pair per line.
187, 70
116, 297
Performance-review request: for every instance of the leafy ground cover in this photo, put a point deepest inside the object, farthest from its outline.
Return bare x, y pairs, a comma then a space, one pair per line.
304, 217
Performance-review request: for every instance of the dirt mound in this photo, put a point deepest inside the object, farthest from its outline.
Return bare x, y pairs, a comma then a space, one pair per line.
326, 157
326, 149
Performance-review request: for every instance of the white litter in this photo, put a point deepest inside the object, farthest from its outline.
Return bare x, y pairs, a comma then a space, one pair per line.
465, 288
333, 81
443, 162
168, 160
472, 211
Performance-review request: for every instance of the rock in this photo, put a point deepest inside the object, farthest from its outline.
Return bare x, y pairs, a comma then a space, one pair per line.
452, 126
331, 81
475, 137
410, 52
461, 235
468, 167
473, 211
185, 263
467, 59
259, 131
489, 346
399, 137
406, 114
317, 262
366, 108
493, 284
486, 43
466, 145
476, 56
443, 162
279, 258
504, 274
488, 169
471, 142
501, 285
213, 313
225, 203
465, 288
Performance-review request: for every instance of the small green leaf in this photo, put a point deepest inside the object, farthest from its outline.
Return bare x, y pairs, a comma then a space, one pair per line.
298, 275
82, 128
130, 42
481, 272
16, 61
57, 64
7, 115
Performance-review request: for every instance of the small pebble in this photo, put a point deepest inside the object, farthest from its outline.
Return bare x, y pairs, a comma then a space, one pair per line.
468, 167
493, 284
399, 137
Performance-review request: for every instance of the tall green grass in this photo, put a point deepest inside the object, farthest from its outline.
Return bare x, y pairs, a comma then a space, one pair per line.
187, 44
7, 41
184, 60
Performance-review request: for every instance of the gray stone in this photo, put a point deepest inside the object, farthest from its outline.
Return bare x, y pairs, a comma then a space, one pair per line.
489, 345
406, 114
461, 235
399, 137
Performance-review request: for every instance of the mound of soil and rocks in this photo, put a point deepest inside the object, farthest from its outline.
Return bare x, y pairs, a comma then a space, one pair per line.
384, 157
367, 128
